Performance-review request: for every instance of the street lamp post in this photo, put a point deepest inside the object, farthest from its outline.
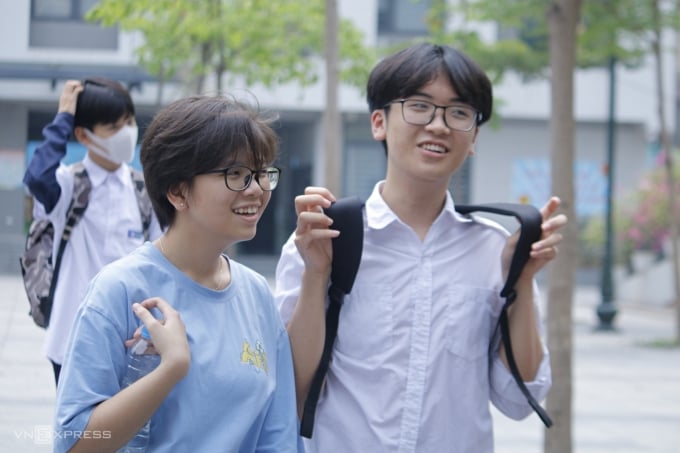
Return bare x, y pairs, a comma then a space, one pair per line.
606, 310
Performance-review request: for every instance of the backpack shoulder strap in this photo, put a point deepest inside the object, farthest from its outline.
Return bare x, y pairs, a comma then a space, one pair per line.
79, 199
347, 215
530, 220
143, 201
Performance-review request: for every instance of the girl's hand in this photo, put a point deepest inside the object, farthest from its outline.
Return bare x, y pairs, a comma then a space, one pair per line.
168, 335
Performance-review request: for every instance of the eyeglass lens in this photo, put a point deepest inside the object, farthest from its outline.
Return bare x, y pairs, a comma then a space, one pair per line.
457, 117
239, 178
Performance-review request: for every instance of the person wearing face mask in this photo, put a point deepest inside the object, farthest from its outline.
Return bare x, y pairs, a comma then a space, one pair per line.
100, 115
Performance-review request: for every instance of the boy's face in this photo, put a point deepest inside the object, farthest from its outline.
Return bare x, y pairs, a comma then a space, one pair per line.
103, 131
106, 130
429, 153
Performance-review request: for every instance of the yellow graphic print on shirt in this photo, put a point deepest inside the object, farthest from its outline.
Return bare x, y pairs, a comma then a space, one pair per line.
256, 357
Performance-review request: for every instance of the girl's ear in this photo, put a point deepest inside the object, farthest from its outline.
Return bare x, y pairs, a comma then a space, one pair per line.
379, 125
177, 196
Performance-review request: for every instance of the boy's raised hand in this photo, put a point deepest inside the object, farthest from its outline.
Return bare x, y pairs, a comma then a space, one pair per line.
545, 249
69, 96
313, 235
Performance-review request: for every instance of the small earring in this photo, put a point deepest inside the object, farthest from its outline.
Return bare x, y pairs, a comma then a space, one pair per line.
181, 205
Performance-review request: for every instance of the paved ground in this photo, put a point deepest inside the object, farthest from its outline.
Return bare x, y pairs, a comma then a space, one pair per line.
626, 392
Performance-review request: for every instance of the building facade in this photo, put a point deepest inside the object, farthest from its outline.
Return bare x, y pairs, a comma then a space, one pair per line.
45, 42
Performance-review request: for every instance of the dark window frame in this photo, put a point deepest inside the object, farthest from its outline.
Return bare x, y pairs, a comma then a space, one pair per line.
388, 18
75, 14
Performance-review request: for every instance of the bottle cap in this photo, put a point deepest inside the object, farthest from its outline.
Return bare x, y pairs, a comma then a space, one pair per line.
145, 333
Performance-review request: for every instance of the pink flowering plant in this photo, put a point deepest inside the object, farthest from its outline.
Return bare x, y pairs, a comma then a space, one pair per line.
641, 221
646, 223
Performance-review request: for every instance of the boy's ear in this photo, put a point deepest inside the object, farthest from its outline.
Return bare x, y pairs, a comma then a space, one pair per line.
79, 134
379, 125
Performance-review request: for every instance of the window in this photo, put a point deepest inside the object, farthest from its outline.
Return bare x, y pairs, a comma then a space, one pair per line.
61, 9
402, 18
61, 24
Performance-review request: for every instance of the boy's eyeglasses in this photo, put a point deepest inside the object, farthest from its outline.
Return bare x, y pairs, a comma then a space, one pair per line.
239, 177
421, 113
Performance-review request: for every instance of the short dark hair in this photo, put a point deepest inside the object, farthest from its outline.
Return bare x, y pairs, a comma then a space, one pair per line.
405, 72
102, 101
200, 133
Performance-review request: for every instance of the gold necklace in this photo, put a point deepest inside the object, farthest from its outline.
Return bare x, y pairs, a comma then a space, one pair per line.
219, 274
160, 246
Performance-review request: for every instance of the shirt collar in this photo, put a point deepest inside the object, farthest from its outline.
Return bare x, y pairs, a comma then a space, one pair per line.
379, 215
99, 175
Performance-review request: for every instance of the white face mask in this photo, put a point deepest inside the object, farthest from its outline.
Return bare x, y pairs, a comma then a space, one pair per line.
119, 147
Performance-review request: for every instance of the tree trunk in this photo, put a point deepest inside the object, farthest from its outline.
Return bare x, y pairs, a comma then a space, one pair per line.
332, 126
664, 142
563, 17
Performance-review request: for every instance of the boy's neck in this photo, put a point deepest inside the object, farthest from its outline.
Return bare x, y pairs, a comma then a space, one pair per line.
416, 208
102, 162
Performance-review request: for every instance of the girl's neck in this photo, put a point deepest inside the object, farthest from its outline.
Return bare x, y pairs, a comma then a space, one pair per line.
204, 265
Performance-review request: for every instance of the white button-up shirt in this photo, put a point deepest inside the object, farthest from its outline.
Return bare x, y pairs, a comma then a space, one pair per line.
111, 228
411, 369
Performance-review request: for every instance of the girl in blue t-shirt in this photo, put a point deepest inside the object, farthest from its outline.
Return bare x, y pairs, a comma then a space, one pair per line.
225, 380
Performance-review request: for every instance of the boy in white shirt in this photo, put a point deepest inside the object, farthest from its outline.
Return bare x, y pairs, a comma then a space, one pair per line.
416, 362
99, 113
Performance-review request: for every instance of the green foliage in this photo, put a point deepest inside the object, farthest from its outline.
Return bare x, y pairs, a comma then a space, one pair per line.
592, 233
269, 42
609, 28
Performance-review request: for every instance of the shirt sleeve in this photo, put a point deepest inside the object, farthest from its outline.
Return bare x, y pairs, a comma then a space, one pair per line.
40, 176
505, 394
280, 429
287, 279
91, 373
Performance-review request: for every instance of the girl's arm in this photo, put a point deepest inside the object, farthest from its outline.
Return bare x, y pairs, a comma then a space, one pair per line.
122, 415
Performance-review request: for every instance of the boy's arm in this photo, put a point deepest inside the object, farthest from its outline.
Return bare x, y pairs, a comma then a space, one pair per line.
307, 327
40, 176
522, 319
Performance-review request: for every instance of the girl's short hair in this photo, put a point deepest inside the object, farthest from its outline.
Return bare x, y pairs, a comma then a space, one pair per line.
200, 133
102, 101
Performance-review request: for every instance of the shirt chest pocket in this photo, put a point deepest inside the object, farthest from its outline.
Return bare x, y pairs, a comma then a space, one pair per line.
366, 322
470, 319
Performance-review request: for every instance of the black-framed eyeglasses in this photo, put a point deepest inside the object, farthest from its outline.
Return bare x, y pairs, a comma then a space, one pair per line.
239, 177
419, 112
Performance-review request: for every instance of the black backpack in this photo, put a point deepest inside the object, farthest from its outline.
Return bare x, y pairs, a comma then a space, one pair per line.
38, 270
347, 217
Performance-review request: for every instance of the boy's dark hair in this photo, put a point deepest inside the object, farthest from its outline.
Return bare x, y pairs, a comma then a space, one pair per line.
200, 133
102, 101
405, 72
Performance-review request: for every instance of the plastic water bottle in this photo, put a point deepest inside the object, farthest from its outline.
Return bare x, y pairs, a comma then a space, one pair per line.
141, 361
